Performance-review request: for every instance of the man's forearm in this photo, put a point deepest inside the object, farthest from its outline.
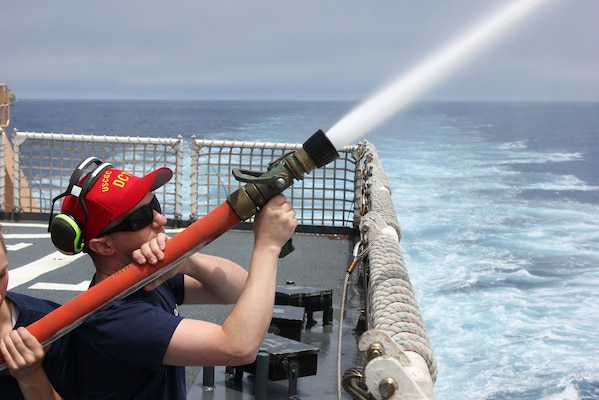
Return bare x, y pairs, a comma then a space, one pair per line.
215, 280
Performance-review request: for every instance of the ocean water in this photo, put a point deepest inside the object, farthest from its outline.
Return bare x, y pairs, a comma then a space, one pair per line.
499, 209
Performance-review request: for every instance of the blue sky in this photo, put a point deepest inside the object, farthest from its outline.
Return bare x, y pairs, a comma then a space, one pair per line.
278, 49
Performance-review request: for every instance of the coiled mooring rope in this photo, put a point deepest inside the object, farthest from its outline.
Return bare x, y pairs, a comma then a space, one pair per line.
392, 305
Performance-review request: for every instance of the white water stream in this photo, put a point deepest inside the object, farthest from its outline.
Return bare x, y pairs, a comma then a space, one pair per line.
401, 92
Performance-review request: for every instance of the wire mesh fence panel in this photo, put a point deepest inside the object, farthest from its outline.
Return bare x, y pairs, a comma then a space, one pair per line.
45, 161
324, 197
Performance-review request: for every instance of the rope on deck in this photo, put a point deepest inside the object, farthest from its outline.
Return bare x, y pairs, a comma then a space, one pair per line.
391, 300
377, 190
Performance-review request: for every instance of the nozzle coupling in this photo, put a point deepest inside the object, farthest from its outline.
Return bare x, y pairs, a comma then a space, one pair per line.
316, 152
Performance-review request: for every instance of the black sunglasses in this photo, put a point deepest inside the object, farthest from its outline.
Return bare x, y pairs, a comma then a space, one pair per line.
137, 220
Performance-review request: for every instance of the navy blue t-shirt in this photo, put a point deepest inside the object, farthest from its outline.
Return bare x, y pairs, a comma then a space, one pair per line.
59, 362
120, 348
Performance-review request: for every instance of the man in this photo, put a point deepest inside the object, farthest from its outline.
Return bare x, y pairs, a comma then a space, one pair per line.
135, 348
29, 374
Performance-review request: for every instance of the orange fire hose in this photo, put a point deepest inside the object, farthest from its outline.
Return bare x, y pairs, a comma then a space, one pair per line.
68, 316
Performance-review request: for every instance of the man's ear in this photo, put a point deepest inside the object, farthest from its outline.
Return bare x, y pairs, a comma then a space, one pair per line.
102, 246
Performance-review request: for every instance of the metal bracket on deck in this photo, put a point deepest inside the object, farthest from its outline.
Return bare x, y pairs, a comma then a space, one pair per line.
392, 373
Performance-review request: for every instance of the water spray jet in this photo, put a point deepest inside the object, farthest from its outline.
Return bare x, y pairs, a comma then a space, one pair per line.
407, 88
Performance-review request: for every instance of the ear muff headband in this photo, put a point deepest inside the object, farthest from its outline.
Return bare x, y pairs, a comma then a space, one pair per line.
65, 231
88, 183
74, 189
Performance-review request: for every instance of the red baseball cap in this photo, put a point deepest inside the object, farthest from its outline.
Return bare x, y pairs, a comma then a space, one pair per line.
112, 195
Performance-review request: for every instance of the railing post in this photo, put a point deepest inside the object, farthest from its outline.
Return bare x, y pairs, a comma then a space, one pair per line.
3, 170
195, 150
16, 176
179, 180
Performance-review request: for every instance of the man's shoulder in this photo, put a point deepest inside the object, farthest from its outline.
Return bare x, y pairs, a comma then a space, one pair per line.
31, 305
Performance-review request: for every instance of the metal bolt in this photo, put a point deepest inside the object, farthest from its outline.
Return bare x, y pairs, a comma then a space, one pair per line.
375, 350
280, 183
387, 388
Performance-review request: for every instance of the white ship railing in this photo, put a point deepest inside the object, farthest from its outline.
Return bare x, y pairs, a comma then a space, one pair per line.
322, 198
45, 161
202, 173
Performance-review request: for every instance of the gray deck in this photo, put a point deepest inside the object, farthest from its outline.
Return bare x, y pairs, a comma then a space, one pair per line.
318, 261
